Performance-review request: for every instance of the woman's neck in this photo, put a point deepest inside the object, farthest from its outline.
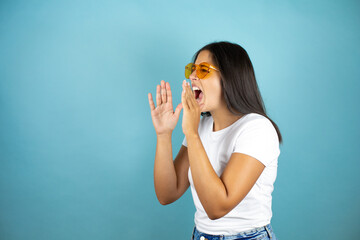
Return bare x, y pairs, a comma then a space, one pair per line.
223, 119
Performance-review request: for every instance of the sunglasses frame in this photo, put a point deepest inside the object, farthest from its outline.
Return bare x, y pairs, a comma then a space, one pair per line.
208, 65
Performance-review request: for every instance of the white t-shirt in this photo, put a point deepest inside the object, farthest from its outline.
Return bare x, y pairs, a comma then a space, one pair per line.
254, 135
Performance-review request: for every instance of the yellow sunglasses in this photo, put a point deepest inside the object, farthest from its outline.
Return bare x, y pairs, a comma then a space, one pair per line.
201, 69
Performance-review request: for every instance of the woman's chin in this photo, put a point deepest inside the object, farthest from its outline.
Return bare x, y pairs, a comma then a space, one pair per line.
201, 104
202, 107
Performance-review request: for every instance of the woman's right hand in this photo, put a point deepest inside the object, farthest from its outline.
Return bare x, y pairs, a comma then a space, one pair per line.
163, 116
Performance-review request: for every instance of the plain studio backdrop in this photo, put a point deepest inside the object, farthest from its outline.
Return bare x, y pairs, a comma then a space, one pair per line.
77, 143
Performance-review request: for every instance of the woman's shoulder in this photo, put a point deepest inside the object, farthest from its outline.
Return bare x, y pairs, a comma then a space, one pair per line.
254, 123
255, 116
252, 119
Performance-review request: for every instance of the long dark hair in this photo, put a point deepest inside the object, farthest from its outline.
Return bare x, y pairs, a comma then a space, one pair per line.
238, 82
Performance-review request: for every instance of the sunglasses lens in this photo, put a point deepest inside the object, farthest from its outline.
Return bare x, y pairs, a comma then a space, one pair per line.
188, 70
202, 71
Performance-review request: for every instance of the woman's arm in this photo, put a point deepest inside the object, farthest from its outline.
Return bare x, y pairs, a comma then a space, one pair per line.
219, 195
170, 177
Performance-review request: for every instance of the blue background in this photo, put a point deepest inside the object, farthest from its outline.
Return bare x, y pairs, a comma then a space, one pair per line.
77, 144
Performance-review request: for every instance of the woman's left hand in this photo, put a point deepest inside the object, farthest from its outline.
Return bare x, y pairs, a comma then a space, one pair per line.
191, 114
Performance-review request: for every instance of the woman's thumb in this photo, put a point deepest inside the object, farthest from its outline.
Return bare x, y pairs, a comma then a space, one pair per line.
178, 110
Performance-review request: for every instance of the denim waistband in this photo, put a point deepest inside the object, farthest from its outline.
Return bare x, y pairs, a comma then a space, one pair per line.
245, 234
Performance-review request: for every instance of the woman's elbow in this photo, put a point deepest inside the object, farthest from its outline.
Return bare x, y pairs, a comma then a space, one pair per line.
164, 202
220, 209
216, 214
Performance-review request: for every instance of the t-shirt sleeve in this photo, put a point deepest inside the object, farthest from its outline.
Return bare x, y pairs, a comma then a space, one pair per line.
259, 140
184, 142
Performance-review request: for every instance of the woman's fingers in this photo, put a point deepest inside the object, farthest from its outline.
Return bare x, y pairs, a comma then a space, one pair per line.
163, 91
151, 102
168, 91
189, 96
183, 98
158, 97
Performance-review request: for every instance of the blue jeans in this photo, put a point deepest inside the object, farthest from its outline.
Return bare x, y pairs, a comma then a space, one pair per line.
261, 233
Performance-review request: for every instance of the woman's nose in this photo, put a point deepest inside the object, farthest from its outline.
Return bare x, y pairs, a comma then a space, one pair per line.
193, 75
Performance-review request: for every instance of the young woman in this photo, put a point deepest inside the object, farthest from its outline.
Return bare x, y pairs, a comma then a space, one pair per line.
230, 150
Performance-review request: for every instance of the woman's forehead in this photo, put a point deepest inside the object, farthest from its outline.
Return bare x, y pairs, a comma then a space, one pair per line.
204, 56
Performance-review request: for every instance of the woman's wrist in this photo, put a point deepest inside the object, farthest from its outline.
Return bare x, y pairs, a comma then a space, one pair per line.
164, 135
191, 136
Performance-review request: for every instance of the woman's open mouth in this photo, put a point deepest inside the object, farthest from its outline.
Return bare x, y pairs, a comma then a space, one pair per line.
198, 94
